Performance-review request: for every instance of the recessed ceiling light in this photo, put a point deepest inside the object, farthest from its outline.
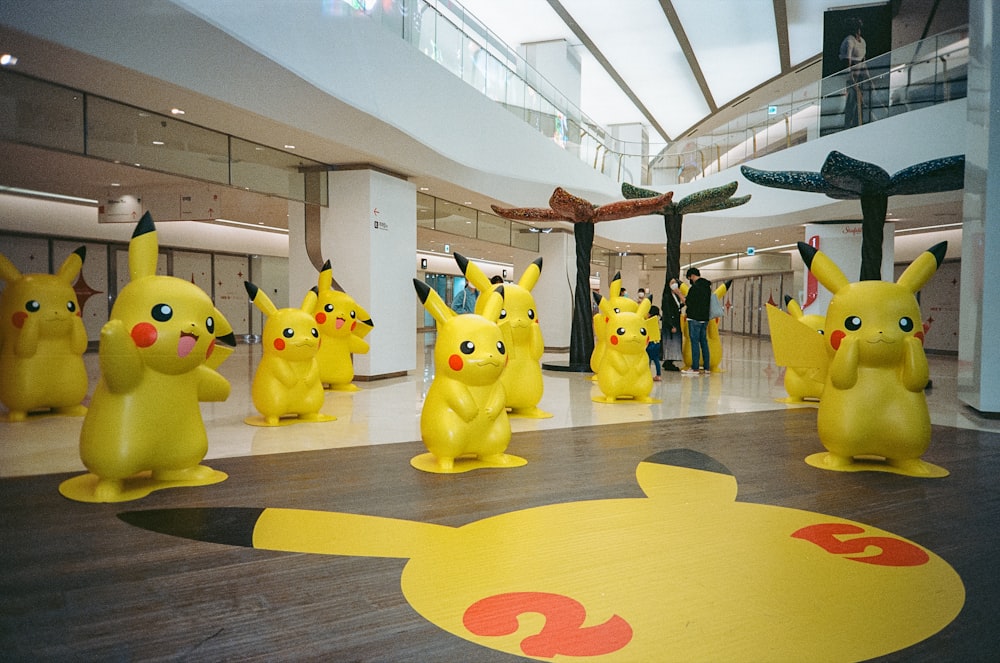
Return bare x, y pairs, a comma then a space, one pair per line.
7, 60
115, 184
425, 188
157, 142
289, 147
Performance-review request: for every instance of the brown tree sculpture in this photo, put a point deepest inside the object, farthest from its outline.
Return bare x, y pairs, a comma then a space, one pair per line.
564, 206
844, 178
706, 200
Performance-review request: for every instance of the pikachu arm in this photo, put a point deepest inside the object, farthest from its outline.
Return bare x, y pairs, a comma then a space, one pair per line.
211, 385
121, 364
26, 344
312, 375
78, 337
537, 342
844, 367
496, 403
460, 400
356, 345
284, 372
915, 371
617, 361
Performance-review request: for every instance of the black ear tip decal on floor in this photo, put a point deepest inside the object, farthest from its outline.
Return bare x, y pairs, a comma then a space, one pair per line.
230, 526
690, 459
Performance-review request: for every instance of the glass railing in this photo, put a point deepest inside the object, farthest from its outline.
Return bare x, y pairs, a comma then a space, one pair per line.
925, 73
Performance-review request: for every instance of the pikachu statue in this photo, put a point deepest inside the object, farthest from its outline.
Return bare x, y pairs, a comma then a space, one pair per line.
518, 321
158, 354
42, 341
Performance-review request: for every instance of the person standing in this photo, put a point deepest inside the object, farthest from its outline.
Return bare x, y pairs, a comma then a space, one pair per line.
653, 348
698, 310
465, 300
853, 51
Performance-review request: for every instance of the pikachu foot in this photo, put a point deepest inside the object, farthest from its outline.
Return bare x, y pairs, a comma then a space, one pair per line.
70, 411
529, 413
288, 420
429, 463
92, 488
196, 473
913, 467
342, 387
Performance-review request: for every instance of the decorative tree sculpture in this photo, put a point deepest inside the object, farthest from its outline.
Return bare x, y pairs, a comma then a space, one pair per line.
706, 200
844, 178
564, 206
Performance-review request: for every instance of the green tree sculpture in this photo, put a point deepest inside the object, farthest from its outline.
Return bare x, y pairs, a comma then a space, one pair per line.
564, 206
844, 178
706, 200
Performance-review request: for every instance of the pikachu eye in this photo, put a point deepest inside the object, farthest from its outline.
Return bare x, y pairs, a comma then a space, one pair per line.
618, 310
328, 308
71, 307
210, 324
467, 347
531, 314
501, 348
853, 323
162, 312
32, 306
354, 314
288, 332
503, 313
620, 331
906, 324
642, 331
315, 332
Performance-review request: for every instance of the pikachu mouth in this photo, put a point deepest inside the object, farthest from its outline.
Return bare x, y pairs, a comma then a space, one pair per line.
186, 344
338, 323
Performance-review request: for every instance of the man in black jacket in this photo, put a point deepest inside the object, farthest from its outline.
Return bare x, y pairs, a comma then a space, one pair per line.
698, 311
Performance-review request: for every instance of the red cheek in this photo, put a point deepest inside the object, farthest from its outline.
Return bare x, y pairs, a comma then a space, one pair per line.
455, 362
614, 340
144, 334
321, 317
211, 349
836, 338
18, 319
79, 313
279, 344
920, 335
354, 324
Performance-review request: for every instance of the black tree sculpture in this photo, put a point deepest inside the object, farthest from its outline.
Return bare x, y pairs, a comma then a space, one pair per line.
844, 178
564, 206
706, 200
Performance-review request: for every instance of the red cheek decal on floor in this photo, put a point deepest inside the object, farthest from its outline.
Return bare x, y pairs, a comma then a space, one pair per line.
894, 552
144, 334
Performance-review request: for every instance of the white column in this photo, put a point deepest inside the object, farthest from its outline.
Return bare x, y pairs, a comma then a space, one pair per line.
554, 291
369, 234
978, 350
841, 242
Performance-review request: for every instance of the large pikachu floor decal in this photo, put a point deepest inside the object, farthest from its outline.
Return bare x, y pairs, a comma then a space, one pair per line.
687, 573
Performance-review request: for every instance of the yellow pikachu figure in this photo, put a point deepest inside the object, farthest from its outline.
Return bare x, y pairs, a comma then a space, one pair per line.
463, 422
42, 341
873, 402
803, 381
618, 304
522, 379
624, 371
286, 387
711, 332
686, 572
343, 324
143, 430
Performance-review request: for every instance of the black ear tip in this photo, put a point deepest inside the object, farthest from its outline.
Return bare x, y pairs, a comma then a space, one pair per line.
788, 298
422, 290
807, 252
251, 289
463, 262
327, 265
938, 251
82, 252
314, 289
144, 226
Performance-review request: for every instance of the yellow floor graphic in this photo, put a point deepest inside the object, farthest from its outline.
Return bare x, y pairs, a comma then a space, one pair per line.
686, 573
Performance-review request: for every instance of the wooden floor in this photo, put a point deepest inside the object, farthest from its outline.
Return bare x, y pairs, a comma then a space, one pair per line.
78, 583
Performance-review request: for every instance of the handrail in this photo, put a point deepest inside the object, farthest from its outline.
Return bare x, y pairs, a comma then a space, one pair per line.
484, 61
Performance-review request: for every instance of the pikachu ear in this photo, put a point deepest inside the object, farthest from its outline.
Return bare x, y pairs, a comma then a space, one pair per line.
260, 299
143, 249
225, 341
473, 273
644, 308
494, 304
8, 272
606, 307
616, 285
922, 269
824, 269
793, 307
72, 265
433, 302
531, 274
326, 276
677, 474
309, 301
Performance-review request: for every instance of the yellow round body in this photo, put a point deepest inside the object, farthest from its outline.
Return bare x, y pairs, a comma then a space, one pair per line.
624, 370
337, 317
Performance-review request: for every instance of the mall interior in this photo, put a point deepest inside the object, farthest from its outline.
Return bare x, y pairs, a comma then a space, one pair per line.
387, 137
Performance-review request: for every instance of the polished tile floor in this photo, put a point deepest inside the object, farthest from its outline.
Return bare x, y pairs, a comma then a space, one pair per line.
388, 411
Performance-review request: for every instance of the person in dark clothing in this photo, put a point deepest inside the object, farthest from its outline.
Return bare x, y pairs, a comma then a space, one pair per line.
698, 310
672, 339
